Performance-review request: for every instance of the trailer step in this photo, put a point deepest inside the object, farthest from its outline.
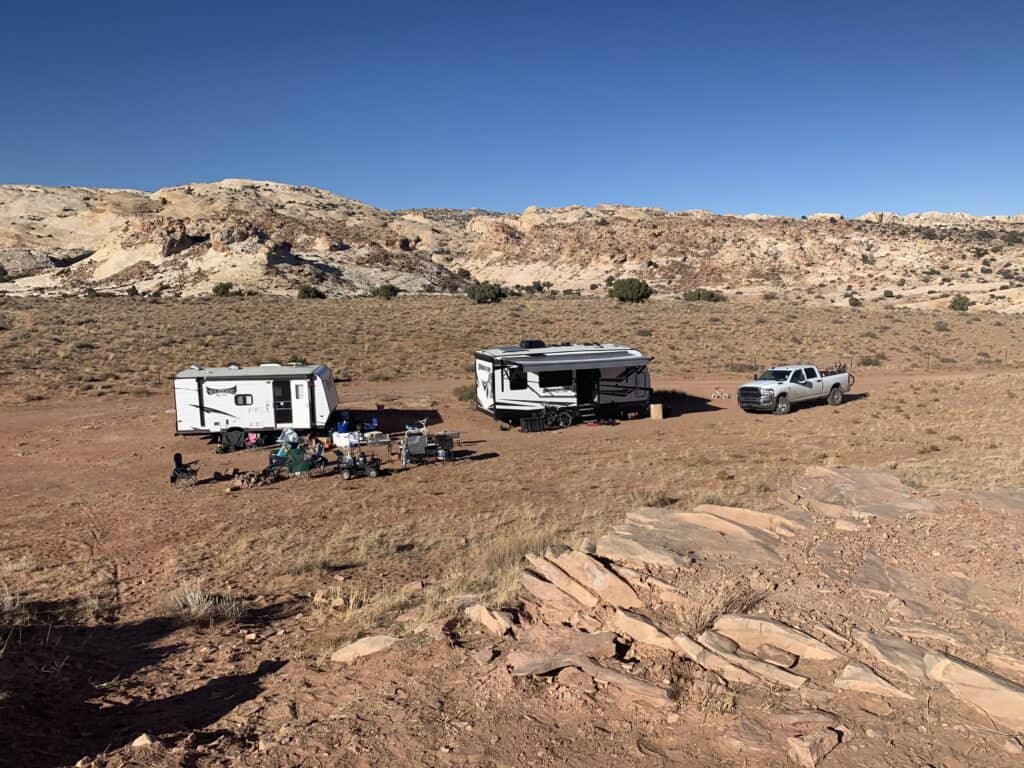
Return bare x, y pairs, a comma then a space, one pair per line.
586, 414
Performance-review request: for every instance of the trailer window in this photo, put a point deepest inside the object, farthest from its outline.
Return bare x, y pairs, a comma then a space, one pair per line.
300, 391
555, 379
243, 399
516, 378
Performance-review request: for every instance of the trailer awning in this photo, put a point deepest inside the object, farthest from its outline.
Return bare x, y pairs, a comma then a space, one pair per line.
575, 363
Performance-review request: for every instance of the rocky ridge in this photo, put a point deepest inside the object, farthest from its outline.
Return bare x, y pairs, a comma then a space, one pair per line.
271, 238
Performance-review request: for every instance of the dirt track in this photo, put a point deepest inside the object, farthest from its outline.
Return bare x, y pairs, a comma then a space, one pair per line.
96, 538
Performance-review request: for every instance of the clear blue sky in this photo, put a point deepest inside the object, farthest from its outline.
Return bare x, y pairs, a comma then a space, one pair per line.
780, 107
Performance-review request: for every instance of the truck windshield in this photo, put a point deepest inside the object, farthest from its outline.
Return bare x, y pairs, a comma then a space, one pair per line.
774, 375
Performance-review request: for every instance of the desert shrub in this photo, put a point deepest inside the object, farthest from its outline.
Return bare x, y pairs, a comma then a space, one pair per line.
888, 294
386, 291
463, 273
465, 392
4, 276
224, 289
631, 289
959, 303
941, 326
869, 361
5, 323
132, 291
854, 301
311, 292
703, 294
192, 603
485, 293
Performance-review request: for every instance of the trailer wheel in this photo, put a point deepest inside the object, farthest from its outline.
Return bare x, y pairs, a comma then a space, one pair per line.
565, 418
346, 474
233, 439
835, 397
371, 472
782, 406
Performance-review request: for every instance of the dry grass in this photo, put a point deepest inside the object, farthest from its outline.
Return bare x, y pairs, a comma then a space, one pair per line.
66, 341
193, 603
700, 613
12, 609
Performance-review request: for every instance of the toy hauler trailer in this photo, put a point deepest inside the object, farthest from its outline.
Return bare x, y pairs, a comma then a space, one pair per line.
232, 401
575, 380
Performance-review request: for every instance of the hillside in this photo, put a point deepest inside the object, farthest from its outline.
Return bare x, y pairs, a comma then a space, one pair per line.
270, 238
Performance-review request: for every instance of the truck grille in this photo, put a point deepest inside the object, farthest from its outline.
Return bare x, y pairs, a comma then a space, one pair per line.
749, 396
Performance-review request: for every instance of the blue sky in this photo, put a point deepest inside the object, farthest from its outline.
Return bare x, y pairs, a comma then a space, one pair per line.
781, 107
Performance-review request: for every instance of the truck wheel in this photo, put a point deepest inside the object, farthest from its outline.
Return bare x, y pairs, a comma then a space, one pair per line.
835, 397
782, 405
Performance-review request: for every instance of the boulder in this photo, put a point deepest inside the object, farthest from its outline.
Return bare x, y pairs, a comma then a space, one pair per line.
562, 580
776, 656
498, 623
751, 632
920, 630
767, 672
142, 740
778, 525
710, 660
803, 720
364, 646
807, 751
1005, 662
906, 658
629, 549
862, 679
598, 579
859, 493
629, 688
999, 698
554, 640
640, 629
717, 643
748, 736
547, 593
530, 663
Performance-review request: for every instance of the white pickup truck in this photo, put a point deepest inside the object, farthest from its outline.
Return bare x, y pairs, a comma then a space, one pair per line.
780, 388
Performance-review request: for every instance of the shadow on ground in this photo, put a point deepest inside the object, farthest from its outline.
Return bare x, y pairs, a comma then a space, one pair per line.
679, 403
394, 419
58, 704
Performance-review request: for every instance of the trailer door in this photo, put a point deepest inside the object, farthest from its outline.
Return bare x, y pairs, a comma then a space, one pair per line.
587, 390
282, 403
301, 403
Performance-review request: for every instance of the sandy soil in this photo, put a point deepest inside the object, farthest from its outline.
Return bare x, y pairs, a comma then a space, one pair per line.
94, 539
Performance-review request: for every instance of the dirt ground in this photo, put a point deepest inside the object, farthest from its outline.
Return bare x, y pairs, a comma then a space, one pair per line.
94, 543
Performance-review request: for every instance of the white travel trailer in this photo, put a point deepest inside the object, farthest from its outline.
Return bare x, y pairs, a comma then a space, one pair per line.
232, 401
568, 382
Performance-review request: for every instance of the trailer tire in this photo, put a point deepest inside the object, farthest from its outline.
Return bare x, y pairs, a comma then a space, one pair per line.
782, 406
565, 418
835, 396
233, 439
371, 472
346, 474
